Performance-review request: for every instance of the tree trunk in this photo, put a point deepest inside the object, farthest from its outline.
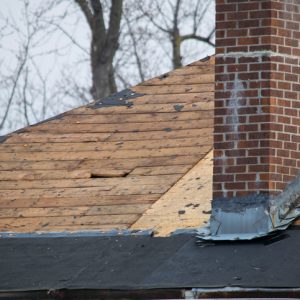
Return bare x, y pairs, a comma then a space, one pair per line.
103, 82
176, 41
104, 44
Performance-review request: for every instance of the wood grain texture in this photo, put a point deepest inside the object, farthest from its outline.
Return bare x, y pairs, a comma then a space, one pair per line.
103, 168
186, 205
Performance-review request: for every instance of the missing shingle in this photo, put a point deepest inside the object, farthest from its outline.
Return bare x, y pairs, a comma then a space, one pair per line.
109, 174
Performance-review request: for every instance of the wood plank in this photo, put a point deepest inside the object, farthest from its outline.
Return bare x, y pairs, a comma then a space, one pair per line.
84, 192
175, 98
159, 170
146, 108
62, 174
73, 211
201, 96
34, 175
31, 228
36, 224
74, 155
194, 69
184, 205
128, 127
13, 202
103, 183
184, 79
95, 146
44, 137
160, 135
174, 89
129, 163
56, 138
134, 118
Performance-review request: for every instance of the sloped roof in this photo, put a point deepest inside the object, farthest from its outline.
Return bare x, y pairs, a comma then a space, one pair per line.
102, 166
140, 162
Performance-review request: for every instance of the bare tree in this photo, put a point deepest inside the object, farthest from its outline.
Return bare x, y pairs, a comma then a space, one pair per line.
58, 54
32, 84
169, 17
15, 80
104, 44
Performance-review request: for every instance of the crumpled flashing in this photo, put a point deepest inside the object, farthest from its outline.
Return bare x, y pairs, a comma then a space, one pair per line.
253, 216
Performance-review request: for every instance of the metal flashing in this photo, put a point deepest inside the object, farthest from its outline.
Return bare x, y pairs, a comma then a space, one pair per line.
118, 99
250, 217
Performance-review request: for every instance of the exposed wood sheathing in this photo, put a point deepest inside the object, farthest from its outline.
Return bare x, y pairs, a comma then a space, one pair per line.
186, 205
103, 168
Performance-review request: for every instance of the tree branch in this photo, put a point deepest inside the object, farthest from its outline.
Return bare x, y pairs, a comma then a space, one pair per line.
198, 38
13, 90
112, 35
98, 18
70, 37
203, 13
151, 19
25, 97
86, 11
176, 11
135, 49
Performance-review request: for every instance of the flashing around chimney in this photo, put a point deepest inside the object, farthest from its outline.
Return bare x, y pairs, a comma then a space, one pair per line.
250, 217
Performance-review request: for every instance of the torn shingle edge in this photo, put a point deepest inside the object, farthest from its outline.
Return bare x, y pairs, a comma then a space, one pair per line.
117, 99
250, 217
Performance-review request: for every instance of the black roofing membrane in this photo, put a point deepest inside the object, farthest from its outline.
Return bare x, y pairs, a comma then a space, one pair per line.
144, 262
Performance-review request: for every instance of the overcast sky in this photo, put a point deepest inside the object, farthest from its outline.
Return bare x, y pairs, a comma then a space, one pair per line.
69, 62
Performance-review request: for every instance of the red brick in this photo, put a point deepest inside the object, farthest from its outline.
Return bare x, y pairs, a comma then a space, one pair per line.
223, 178
246, 177
248, 23
235, 185
237, 32
265, 145
226, 7
248, 6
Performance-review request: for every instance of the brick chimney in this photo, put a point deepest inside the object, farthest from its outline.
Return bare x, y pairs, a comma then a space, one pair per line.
257, 97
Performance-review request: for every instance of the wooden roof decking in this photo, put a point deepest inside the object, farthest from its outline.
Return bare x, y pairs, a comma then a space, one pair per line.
102, 168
